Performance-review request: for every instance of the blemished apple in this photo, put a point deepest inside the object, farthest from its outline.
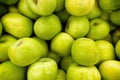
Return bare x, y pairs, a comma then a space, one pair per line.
46, 27
110, 70
43, 69
79, 7
26, 10
17, 25
1, 29
99, 29
85, 52
5, 42
61, 75
78, 72
10, 71
107, 51
77, 26
25, 51
61, 44
42, 7
60, 5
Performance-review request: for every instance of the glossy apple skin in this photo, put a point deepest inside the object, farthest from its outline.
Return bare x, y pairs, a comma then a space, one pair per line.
43, 69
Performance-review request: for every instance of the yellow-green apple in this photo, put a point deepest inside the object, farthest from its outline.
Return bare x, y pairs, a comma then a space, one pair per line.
78, 72
8, 2
117, 49
44, 69
107, 51
110, 70
109, 38
25, 51
46, 27
77, 26
10, 71
79, 7
26, 10
61, 44
99, 29
13, 9
60, 5
61, 75
1, 29
85, 52
17, 25
42, 7
6, 41
65, 62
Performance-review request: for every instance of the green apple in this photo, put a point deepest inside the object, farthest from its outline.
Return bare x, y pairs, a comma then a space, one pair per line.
117, 49
110, 70
27, 49
3, 10
6, 41
77, 26
106, 50
99, 29
54, 56
25, 10
79, 7
42, 7
60, 5
115, 17
78, 72
46, 27
9, 2
109, 4
44, 45
85, 52
10, 71
63, 16
109, 38
1, 28
44, 69
66, 62
13, 9
17, 25
95, 11
61, 75
61, 44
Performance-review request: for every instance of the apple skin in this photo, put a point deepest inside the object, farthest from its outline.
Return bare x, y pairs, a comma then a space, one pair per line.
85, 54
117, 49
13, 9
27, 49
60, 5
107, 51
99, 29
61, 75
25, 10
42, 7
110, 70
79, 7
6, 41
1, 29
61, 44
77, 26
46, 27
17, 25
43, 69
8, 2
77, 72
10, 71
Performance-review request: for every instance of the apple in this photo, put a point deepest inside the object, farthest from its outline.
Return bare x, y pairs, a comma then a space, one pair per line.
107, 51
66, 62
1, 29
44, 69
110, 70
61, 75
13, 9
85, 52
60, 5
79, 7
46, 27
6, 41
27, 49
42, 7
54, 56
117, 49
26, 10
61, 44
78, 72
8, 2
109, 38
3, 10
10, 71
77, 26
17, 25
44, 45
99, 29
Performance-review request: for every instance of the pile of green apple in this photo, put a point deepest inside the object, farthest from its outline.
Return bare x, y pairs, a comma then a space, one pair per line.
59, 40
